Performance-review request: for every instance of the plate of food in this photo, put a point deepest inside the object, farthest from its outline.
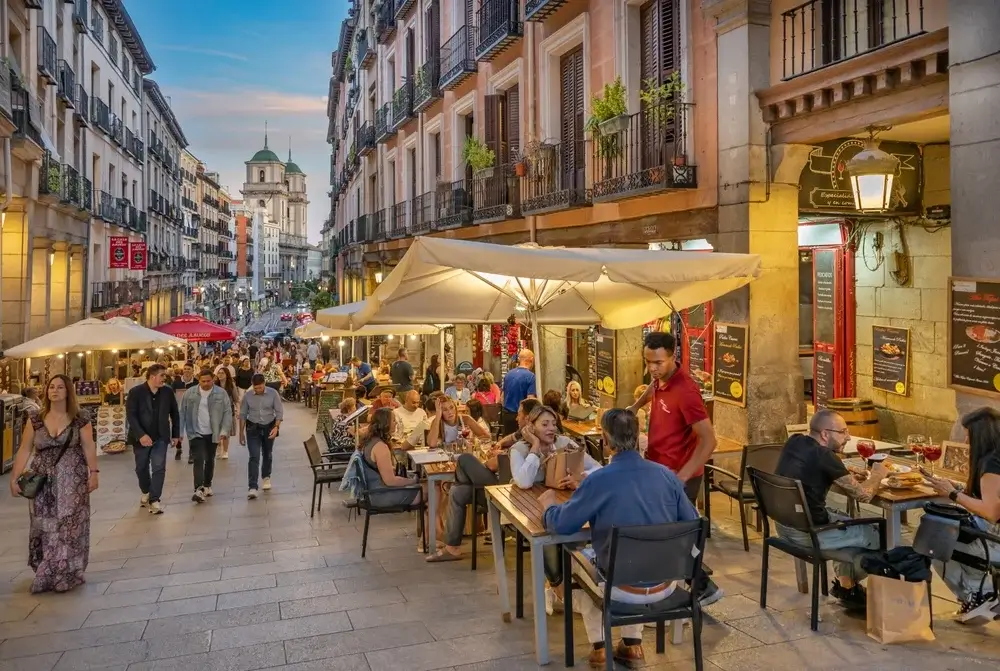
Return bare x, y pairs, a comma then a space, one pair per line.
898, 469
890, 350
982, 333
907, 480
729, 359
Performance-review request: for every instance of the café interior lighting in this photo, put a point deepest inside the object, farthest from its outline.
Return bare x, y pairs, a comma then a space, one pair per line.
872, 172
378, 277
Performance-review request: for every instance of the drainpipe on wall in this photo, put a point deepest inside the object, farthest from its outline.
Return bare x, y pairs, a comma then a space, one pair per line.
8, 165
532, 85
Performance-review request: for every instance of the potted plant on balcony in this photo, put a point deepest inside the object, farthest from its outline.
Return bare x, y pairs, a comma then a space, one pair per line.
659, 102
609, 110
478, 156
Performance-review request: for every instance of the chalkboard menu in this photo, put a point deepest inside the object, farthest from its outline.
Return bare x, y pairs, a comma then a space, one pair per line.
822, 378
697, 363
729, 365
974, 335
891, 359
825, 305
595, 396
329, 399
605, 350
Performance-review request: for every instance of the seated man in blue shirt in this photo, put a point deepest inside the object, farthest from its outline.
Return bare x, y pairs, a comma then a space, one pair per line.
629, 491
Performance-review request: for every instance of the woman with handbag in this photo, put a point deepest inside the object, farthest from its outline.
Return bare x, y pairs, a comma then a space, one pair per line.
63, 472
981, 497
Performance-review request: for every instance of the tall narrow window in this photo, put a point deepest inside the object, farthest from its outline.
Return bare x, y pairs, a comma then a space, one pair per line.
571, 117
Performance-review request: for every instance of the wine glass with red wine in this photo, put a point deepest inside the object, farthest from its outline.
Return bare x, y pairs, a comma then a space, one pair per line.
866, 450
932, 453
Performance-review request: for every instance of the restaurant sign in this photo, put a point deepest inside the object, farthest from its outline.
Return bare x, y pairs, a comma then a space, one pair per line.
891, 359
729, 368
825, 186
118, 251
137, 256
974, 335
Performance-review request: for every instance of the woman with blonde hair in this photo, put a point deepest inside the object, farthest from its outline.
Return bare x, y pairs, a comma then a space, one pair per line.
59, 441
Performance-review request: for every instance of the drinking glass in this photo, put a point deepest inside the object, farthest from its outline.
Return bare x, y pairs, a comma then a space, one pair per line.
932, 453
917, 442
866, 449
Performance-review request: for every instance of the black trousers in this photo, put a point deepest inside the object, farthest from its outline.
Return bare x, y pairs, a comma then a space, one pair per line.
203, 450
692, 488
508, 420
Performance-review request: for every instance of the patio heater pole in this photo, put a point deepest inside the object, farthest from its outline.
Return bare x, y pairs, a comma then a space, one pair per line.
536, 344
441, 361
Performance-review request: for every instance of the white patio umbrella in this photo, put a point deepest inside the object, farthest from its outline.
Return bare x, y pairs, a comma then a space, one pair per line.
440, 280
94, 334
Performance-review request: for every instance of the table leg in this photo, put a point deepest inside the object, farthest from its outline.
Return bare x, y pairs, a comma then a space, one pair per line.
801, 576
432, 506
894, 531
495, 531
538, 595
567, 569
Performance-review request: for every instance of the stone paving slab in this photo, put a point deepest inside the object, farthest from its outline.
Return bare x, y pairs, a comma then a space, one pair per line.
238, 585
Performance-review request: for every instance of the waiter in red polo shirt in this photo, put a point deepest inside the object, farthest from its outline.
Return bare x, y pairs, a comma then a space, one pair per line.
681, 436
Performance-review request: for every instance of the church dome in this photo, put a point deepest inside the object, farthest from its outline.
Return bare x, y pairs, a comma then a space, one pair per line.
265, 155
292, 168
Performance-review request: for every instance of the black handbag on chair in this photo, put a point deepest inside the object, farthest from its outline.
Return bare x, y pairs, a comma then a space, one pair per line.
940, 530
31, 483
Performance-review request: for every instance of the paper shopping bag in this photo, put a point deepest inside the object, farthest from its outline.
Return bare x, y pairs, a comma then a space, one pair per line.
561, 464
898, 611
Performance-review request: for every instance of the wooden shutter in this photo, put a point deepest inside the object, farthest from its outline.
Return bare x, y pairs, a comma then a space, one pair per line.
411, 53
669, 38
470, 16
649, 48
571, 115
432, 43
512, 129
493, 125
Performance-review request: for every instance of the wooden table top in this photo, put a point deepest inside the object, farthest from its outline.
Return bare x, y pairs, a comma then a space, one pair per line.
440, 468
898, 495
582, 429
523, 505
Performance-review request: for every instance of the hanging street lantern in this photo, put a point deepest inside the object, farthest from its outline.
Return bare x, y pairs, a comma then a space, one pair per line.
872, 172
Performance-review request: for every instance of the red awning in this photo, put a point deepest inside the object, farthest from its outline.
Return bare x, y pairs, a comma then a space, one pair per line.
196, 329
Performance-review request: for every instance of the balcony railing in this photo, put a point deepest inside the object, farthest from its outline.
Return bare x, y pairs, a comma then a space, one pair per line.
383, 123
500, 26
27, 115
819, 33
51, 176
100, 115
81, 111
426, 88
5, 87
401, 8
495, 194
72, 187
385, 22
80, 13
458, 59
106, 208
366, 48
423, 212
554, 177
47, 66
454, 205
650, 155
105, 295
379, 224
399, 223
117, 130
66, 85
366, 139
402, 104
539, 10
362, 230
87, 195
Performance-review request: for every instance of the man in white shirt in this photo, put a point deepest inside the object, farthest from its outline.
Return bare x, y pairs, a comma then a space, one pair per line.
207, 414
312, 353
410, 414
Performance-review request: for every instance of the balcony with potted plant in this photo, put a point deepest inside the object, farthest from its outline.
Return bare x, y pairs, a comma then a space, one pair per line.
453, 204
495, 195
553, 176
426, 89
402, 104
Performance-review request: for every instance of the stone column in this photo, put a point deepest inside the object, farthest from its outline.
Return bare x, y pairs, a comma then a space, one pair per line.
552, 351
14, 276
41, 280
77, 289
758, 214
58, 287
974, 95
629, 367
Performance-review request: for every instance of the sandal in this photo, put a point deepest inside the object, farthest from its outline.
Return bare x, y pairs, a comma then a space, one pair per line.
443, 555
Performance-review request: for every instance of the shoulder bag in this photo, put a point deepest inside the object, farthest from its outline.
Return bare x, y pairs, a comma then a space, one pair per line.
31, 483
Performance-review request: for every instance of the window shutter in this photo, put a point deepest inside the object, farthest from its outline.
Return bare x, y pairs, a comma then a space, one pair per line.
571, 111
513, 126
669, 38
433, 41
493, 125
649, 47
469, 16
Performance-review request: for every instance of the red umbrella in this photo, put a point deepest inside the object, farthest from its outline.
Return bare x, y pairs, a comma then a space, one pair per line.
196, 329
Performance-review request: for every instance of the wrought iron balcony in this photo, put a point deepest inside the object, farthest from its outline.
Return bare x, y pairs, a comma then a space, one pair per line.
363, 230
104, 295
495, 194
383, 123
648, 156
117, 130
402, 104
402, 7
385, 22
72, 188
454, 205
81, 111
366, 48
379, 225
554, 178
539, 10
818, 33
106, 208
27, 116
100, 115
500, 26
51, 176
399, 223
47, 65
34, 4
426, 88
458, 59
80, 13
423, 212
97, 27
366, 139
5, 87
87, 195
66, 85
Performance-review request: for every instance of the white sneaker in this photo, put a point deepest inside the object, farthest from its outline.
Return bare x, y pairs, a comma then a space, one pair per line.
979, 609
224, 455
266, 484
155, 508
207, 491
144, 501
552, 602
252, 494
199, 495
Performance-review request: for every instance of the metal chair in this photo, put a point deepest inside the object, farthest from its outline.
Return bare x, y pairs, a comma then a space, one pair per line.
763, 457
783, 500
491, 413
324, 472
656, 553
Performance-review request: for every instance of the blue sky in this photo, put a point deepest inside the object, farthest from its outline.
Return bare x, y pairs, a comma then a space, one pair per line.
228, 65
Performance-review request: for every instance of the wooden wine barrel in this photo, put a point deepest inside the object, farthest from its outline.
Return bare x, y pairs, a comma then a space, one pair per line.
860, 415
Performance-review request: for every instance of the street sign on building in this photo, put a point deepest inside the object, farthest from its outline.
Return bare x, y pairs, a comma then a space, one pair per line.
137, 256
118, 253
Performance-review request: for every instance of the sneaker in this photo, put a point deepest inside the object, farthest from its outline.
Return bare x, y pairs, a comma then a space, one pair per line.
978, 609
190, 459
252, 494
144, 500
224, 455
207, 491
854, 598
266, 484
710, 594
155, 508
199, 495
177, 455
553, 604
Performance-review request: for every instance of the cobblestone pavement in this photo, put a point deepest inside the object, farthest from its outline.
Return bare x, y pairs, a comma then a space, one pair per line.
233, 585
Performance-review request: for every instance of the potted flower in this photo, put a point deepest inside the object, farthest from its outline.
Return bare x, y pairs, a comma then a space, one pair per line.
609, 109
478, 156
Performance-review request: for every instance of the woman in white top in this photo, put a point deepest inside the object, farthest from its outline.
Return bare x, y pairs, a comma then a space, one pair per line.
541, 438
448, 425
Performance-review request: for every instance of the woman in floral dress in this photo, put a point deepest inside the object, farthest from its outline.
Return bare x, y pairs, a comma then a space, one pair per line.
59, 538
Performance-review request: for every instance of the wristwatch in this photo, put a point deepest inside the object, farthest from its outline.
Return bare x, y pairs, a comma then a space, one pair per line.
953, 495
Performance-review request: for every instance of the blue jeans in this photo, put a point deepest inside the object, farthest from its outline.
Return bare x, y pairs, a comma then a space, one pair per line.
261, 448
965, 581
861, 537
151, 467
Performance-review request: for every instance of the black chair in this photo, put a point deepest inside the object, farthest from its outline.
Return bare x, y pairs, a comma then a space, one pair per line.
655, 553
783, 500
763, 457
491, 413
324, 472
372, 506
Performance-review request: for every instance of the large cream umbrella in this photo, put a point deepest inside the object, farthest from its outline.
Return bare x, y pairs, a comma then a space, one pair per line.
119, 333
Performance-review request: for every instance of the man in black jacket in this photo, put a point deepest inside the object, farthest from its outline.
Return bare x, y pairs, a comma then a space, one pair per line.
153, 423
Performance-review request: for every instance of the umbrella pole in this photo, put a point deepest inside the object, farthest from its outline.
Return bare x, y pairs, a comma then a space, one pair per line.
441, 357
536, 343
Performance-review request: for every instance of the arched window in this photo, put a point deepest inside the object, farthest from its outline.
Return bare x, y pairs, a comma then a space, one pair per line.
260, 176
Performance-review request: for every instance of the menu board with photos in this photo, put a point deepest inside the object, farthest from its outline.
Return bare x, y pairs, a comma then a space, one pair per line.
605, 351
823, 378
974, 335
891, 359
824, 297
110, 425
729, 365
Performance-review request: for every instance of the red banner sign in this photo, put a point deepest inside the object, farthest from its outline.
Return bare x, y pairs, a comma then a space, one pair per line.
118, 252
137, 256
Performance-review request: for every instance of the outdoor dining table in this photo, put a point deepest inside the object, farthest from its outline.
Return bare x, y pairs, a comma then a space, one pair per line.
438, 466
520, 507
581, 429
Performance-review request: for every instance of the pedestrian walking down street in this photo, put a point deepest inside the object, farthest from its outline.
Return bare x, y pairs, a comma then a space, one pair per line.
207, 413
180, 385
153, 423
261, 413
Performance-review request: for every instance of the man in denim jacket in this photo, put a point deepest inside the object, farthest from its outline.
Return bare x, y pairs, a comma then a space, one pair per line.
206, 414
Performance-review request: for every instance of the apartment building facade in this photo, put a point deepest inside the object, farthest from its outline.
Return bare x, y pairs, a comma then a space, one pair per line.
752, 157
191, 239
167, 228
